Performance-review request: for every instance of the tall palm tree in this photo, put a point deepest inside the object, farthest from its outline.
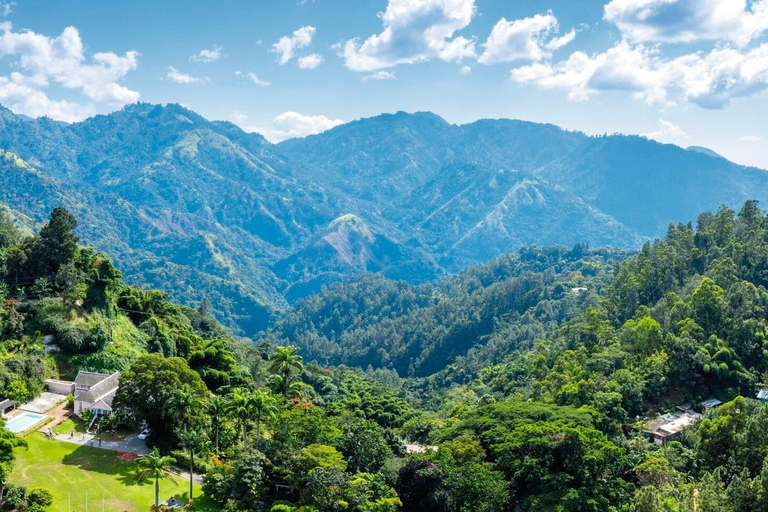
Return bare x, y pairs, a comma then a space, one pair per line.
193, 441
264, 408
154, 466
183, 405
287, 363
217, 410
241, 406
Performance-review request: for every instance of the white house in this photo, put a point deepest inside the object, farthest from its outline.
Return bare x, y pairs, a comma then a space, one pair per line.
95, 391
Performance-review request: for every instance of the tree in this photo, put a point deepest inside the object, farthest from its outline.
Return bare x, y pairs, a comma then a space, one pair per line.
192, 441
57, 241
9, 235
362, 443
561, 466
475, 488
154, 466
264, 408
41, 288
183, 406
242, 406
319, 456
147, 387
205, 308
287, 363
248, 479
217, 410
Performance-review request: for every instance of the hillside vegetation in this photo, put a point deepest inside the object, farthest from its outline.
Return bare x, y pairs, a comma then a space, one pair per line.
199, 208
533, 377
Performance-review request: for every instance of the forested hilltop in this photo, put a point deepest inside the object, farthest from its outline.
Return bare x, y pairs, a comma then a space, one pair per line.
527, 383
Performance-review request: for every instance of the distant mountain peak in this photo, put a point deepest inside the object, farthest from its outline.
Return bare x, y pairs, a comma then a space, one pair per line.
705, 151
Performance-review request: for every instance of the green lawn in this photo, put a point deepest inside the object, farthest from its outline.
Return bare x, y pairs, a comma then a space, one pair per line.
68, 469
78, 426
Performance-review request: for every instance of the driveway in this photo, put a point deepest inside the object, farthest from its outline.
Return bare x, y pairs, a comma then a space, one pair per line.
131, 443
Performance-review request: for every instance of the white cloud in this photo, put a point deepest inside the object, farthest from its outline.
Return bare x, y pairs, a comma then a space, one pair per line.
207, 55
289, 125
414, 31
258, 81
465, 70
61, 60
176, 76
27, 100
710, 80
674, 21
310, 61
380, 75
524, 39
666, 130
751, 138
6, 8
286, 47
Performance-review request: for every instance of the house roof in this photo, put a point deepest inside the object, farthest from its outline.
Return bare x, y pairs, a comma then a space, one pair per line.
89, 379
7, 403
106, 400
101, 389
712, 402
671, 424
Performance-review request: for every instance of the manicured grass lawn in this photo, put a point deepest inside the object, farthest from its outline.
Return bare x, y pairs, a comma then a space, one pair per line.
64, 468
78, 426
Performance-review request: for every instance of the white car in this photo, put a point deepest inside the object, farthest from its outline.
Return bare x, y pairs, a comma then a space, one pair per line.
144, 434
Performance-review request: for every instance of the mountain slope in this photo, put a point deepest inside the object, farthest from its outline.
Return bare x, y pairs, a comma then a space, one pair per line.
201, 208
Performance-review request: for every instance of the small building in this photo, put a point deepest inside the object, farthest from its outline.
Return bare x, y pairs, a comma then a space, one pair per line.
60, 387
95, 392
418, 448
7, 406
762, 395
712, 402
667, 427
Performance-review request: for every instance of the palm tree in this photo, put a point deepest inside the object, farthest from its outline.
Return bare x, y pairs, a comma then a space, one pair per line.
193, 441
264, 407
287, 363
292, 390
154, 466
217, 410
183, 405
241, 406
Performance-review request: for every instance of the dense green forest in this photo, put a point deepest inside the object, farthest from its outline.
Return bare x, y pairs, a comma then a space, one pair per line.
523, 384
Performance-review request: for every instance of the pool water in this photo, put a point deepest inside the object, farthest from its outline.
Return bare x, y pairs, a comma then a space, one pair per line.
23, 422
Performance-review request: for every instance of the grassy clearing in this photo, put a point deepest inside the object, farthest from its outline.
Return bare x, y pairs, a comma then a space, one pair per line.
68, 469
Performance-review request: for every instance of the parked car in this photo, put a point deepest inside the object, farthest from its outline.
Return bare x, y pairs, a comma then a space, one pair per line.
144, 434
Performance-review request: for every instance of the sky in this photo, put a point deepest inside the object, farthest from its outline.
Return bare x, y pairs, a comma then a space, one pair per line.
687, 72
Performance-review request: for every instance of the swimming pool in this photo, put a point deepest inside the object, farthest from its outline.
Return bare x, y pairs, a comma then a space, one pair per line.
23, 422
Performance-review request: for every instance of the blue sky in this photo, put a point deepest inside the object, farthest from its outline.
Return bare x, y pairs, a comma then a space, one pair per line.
690, 72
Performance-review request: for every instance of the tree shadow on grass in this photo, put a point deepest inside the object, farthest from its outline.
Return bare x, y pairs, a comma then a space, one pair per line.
106, 462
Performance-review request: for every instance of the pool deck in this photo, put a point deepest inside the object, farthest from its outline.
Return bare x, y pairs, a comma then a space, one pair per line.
43, 403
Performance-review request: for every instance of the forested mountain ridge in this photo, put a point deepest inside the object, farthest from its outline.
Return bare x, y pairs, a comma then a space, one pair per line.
493, 309
200, 208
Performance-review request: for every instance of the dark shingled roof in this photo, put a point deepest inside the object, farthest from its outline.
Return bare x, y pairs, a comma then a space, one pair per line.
89, 379
101, 389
